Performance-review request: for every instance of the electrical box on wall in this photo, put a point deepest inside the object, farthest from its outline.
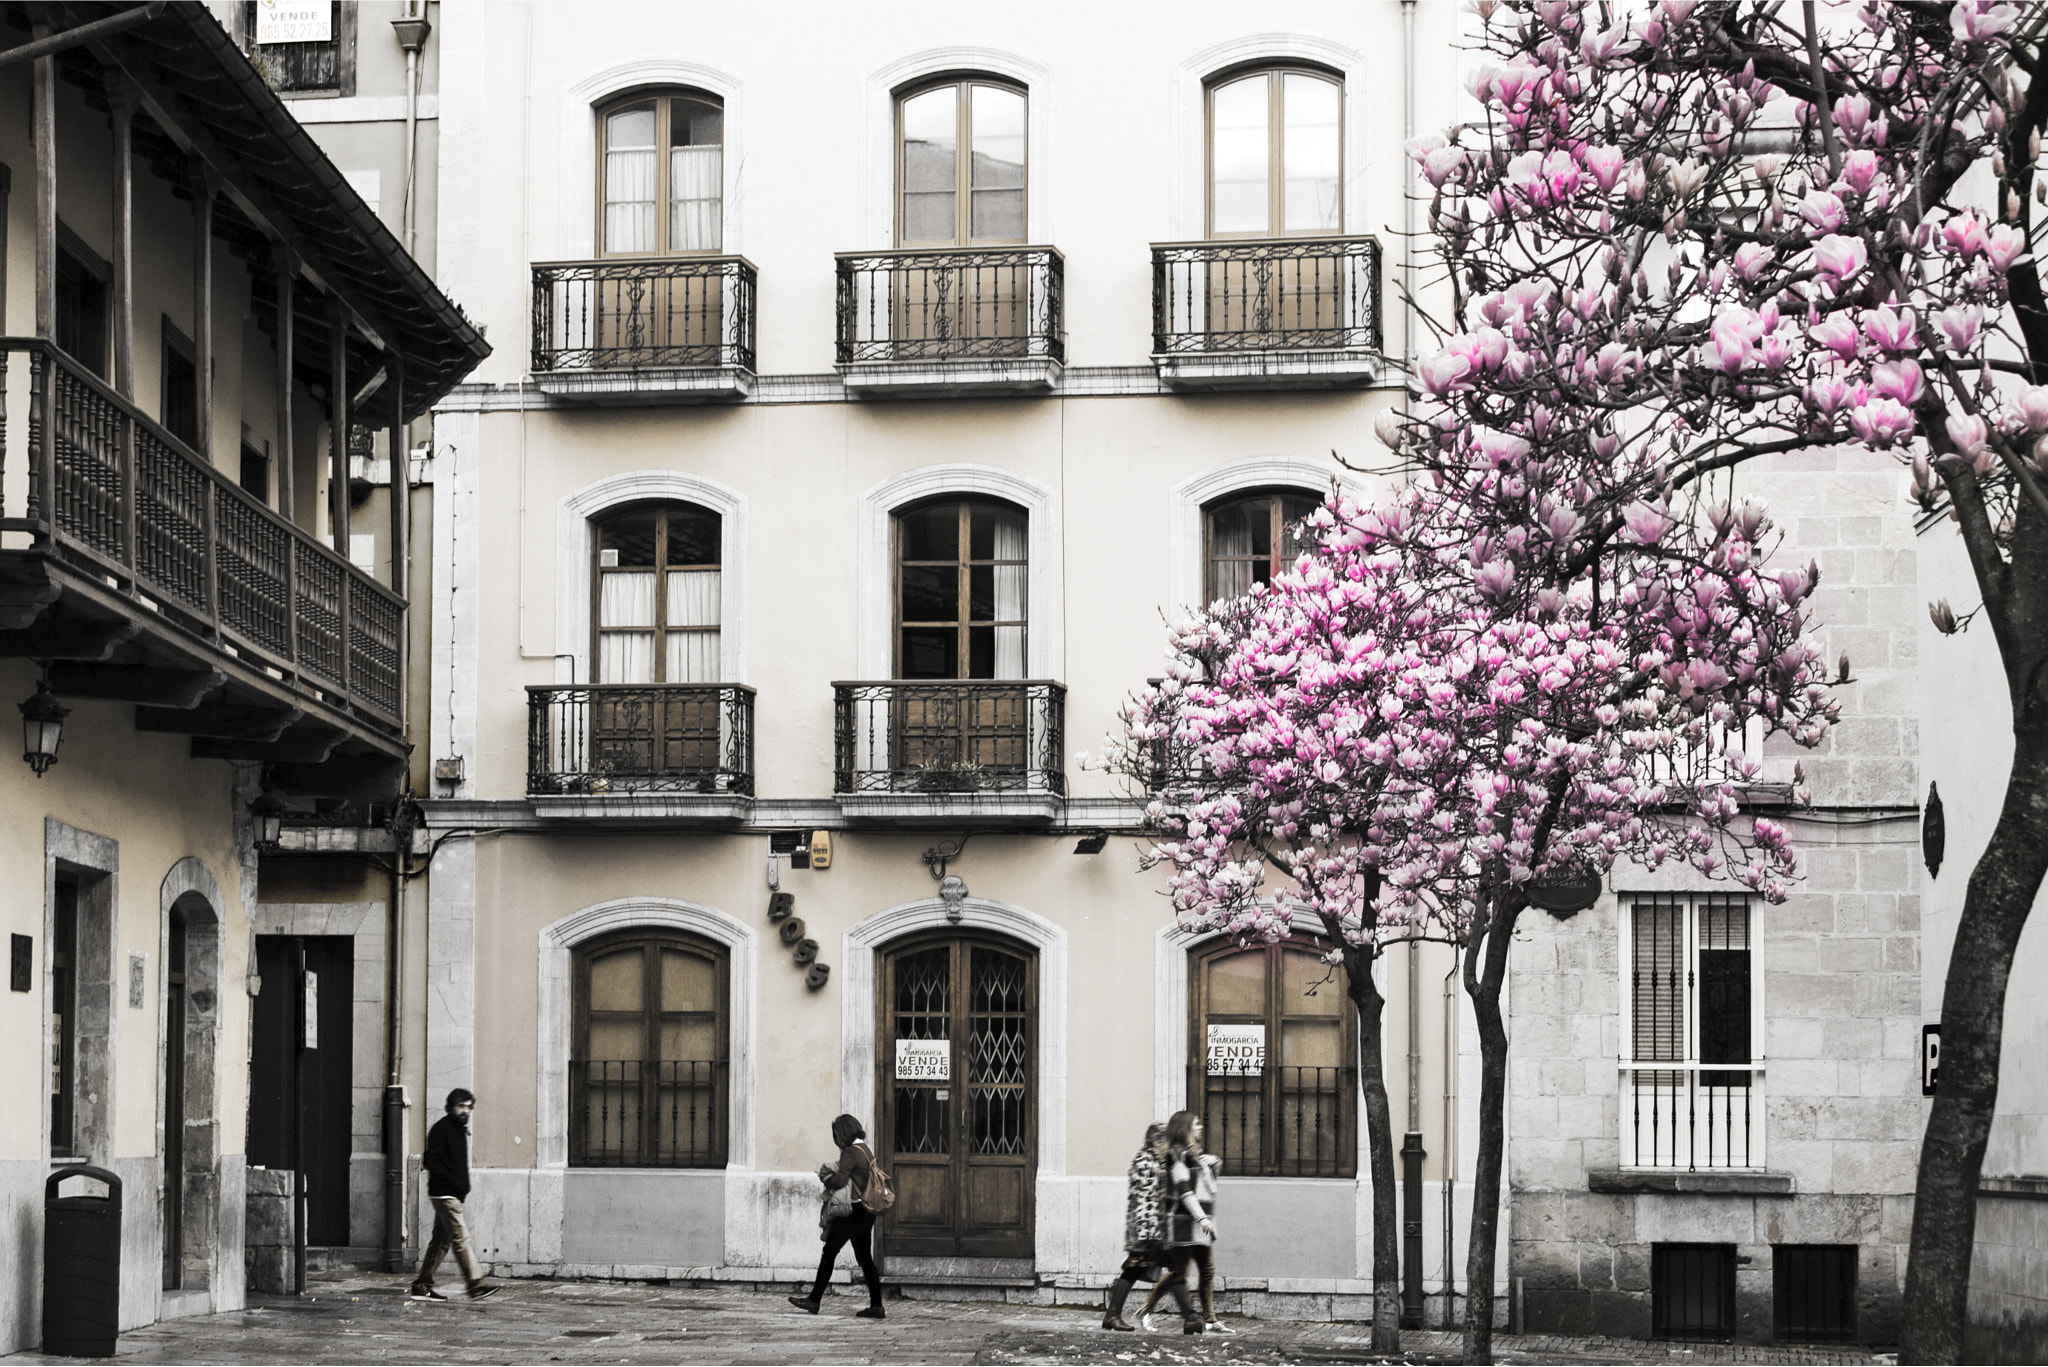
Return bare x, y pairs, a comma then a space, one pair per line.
795, 844
821, 849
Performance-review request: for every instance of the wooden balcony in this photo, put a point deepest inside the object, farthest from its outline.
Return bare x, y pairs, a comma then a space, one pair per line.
661, 331
956, 322
1294, 313
142, 574
950, 750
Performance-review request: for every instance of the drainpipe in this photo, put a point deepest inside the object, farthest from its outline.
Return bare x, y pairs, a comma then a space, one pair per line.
411, 29
1412, 1152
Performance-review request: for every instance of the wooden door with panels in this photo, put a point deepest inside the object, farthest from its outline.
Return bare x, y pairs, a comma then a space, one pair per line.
957, 1095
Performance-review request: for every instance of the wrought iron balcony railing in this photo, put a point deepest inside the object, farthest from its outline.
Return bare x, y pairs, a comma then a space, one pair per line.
113, 494
670, 313
634, 1114
1692, 1116
949, 738
640, 738
959, 304
1295, 294
1282, 1121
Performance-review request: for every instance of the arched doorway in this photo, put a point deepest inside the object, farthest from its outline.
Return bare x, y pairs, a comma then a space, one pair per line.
173, 1193
188, 1101
956, 1068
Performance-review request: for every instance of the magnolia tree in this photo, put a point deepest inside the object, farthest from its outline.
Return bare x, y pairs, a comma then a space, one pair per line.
1443, 702
1682, 236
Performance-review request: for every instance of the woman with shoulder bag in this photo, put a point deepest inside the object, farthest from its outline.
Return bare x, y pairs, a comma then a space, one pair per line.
1144, 1226
848, 1223
1190, 1225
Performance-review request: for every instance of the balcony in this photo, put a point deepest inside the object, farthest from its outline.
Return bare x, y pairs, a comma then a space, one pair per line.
670, 331
1298, 313
951, 323
641, 751
950, 750
1689, 1117
142, 574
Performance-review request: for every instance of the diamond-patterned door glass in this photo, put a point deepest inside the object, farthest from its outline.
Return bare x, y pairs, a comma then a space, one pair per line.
998, 1051
924, 1011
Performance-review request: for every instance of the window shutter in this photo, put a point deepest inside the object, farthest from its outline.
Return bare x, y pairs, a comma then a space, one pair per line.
1658, 978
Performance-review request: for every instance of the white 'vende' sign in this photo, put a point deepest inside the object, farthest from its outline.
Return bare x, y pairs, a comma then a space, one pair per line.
924, 1060
294, 21
1236, 1049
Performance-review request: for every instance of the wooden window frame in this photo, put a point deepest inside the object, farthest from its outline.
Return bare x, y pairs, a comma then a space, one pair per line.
343, 42
663, 144
176, 346
966, 564
650, 941
661, 570
1346, 1139
1276, 556
1276, 137
963, 161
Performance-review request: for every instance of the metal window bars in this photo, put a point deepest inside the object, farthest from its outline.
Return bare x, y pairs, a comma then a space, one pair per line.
111, 493
631, 1113
674, 313
1689, 1080
640, 738
949, 737
1292, 294
999, 303
1282, 1121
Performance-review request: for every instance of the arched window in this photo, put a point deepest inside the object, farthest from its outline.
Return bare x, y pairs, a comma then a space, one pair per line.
648, 1068
661, 188
1249, 539
1272, 1059
960, 591
656, 592
1276, 154
947, 199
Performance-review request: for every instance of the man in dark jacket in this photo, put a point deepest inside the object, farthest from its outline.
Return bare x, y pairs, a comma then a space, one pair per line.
447, 1164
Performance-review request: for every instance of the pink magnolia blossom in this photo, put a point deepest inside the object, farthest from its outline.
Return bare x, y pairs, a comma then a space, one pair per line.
1841, 259
1968, 432
1900, 380
1882, 422
1838, 335
2007, 244
1891, 330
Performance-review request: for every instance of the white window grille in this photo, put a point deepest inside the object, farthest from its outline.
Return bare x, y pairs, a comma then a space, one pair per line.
1691, 1075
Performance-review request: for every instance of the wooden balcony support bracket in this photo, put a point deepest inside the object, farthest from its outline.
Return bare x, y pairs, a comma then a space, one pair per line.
157, 687
307, 744
222, 720
55, 638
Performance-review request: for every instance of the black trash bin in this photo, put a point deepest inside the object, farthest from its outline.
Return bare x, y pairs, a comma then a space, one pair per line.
81, 1266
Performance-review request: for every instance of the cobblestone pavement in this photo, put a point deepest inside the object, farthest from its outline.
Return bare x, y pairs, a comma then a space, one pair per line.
347, 1318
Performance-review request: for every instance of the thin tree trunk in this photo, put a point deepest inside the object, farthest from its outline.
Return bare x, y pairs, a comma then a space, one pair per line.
1483, 987
1379, 1144
2001, 893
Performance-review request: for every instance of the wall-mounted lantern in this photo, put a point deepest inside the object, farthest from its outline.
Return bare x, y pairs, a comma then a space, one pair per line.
42, 728
268, 814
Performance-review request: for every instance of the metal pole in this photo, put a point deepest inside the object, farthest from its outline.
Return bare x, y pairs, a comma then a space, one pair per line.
299, 1126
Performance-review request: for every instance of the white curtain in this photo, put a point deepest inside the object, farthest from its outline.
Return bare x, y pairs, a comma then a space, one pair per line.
626, 600
1011, 544
1230, 540
693, 599
694, 175
629, 200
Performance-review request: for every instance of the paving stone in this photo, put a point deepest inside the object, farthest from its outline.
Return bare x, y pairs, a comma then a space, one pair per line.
349, 1318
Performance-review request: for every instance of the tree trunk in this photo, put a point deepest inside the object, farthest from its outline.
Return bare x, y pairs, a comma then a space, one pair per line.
1379, 1144
1484, 990
2001, 893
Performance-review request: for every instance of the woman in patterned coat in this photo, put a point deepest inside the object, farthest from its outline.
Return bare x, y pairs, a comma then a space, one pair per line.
1144, 1225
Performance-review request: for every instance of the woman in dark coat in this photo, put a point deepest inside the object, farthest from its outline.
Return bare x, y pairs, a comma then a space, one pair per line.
1144, 1228
857, 1227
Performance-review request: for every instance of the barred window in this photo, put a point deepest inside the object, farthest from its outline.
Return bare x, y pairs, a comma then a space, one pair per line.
648, 1078
1688, 973
1272, 1060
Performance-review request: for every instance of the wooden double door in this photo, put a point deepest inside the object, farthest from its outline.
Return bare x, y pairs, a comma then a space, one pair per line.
957, 1081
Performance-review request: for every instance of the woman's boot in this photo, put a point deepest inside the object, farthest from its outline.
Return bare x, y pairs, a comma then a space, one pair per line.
1119, 1292
1190, 1320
